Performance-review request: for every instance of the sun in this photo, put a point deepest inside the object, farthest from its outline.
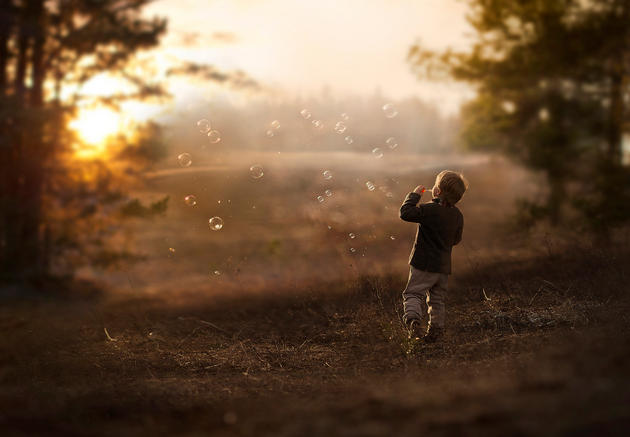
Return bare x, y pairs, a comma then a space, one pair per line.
94, 126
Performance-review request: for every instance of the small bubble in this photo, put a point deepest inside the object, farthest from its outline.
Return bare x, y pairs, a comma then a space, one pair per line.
305, 113
275, 124
171, 249
349, 139
318, 124
391, 237
340, 127
329, 227
389, 194
391, 143
328, 193
320, 199
216, 273
351, 235
377, 152
270, 133
185, 160
345, 117
327, 175
390, 110
215, 223
190, 200
214, 136
352, 250
370, 186
204, 125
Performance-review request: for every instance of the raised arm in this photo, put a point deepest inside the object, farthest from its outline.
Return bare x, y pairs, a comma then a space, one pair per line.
409, 211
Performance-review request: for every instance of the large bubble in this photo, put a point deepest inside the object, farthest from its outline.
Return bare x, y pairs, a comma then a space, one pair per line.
215, 223
184, 159
256, 171
204, 125
190, 200
214, 136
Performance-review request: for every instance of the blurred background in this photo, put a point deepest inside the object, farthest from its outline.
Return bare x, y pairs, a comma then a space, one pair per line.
175, 147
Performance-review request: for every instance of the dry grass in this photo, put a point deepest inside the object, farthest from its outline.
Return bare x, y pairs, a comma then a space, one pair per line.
534, 347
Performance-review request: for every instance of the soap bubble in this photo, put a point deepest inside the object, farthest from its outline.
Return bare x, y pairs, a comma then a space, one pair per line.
352, 250
340, 127
328, 193
349, 139
184, 159
275, 124
318, 124
320, 199
214, 136
390, 110
190, 200
391, 143
370, 186
256, 171
345, 117
327, 175
204, 125
269, 133
305, 113
377, 152
351, 235
215, 223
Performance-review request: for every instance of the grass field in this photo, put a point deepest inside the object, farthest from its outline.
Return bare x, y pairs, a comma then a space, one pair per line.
299, 336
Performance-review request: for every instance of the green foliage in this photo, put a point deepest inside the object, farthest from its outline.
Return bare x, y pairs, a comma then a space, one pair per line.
55, 212
550, 79
134, 208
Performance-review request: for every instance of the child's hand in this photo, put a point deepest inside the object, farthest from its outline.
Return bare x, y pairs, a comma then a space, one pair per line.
419, 189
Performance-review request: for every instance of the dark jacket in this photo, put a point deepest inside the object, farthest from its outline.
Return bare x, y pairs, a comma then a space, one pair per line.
440, 228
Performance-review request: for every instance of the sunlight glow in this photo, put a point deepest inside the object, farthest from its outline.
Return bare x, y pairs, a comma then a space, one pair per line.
94, 127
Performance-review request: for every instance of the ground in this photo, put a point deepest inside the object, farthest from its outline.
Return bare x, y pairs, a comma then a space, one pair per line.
535, 347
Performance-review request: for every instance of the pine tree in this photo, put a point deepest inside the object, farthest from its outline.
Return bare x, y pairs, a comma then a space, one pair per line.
44, 46
552, 79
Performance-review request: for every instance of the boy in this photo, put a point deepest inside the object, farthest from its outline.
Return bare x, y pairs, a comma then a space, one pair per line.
440, 228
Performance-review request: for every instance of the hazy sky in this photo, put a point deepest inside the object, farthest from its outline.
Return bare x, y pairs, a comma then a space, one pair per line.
353, 46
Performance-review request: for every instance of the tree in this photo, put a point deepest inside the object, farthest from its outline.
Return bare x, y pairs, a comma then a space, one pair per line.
45, 46
552, 80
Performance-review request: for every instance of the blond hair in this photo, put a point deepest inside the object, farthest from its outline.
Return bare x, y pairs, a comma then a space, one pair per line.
452, 186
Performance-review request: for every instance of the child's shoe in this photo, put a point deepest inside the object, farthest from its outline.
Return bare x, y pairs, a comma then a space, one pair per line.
415, 330
433, 334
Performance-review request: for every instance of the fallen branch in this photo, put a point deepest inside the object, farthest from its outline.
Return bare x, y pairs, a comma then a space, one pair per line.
108, 336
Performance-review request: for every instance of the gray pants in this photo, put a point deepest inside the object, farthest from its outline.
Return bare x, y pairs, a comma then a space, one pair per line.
423, 284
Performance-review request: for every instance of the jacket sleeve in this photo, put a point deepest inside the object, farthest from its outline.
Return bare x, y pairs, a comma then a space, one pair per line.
460, 230
409, 211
